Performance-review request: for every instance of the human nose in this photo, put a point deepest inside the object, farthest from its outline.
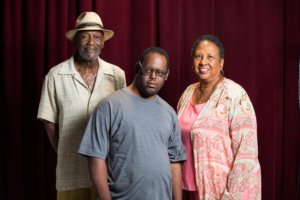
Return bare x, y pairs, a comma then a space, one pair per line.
153, 74
203, 60
91, 40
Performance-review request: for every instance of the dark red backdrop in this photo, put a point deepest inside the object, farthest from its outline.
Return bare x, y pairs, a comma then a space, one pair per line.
262, 49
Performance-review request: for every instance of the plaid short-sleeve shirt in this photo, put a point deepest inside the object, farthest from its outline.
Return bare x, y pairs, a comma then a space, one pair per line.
66, 101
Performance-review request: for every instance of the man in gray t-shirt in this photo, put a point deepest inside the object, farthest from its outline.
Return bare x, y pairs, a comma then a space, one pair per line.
133, 140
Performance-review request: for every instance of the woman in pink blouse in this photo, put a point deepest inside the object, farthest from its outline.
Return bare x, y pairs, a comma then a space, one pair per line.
218, 130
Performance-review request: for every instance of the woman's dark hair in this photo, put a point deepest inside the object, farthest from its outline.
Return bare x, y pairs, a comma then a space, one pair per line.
211, 38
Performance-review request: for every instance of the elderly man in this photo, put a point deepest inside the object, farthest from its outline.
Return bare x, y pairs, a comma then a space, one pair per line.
133, 140
70, 93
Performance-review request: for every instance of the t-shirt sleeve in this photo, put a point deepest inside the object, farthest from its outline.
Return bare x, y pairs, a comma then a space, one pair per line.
176, 149
95, 142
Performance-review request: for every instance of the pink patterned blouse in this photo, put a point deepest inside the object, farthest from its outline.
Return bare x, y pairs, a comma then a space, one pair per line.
224, 141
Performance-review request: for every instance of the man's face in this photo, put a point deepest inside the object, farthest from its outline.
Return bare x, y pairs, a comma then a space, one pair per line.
89, 44
152, 74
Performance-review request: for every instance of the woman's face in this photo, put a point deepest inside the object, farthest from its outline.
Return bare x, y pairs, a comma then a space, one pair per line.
207, 63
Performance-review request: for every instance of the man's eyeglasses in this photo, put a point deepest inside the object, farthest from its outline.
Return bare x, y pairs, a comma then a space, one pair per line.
148, 71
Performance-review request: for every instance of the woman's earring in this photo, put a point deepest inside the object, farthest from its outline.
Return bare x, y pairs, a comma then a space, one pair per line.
222, 72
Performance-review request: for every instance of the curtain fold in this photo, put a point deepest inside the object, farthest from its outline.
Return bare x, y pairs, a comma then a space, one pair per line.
262, 49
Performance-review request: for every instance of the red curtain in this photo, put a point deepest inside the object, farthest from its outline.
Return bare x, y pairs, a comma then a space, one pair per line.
262, 51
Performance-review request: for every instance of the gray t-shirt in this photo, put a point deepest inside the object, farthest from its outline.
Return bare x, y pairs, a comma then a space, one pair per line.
138, 138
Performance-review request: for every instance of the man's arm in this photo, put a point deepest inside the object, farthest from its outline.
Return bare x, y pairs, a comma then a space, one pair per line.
176, 181
98, 173
52, 132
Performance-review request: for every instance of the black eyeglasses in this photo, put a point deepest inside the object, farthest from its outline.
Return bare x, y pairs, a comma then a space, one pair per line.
148, 71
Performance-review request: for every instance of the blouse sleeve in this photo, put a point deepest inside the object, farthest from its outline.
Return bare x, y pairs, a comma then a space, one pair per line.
244, 180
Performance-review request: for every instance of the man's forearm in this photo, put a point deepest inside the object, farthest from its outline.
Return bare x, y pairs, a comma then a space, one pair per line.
176, 181
52, 132
98, 173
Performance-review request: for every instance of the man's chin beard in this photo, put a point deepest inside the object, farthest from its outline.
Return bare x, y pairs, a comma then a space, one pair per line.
148, 94
85, 58
88, 58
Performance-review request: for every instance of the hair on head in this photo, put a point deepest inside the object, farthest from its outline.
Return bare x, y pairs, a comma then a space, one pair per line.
212, 38
158, 50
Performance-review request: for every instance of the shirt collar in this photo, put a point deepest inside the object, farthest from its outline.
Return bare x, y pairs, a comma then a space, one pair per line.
69, 67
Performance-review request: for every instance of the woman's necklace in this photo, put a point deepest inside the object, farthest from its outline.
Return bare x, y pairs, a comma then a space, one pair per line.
202, 96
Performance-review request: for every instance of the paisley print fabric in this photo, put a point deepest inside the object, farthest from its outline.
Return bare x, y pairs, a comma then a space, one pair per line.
224, 140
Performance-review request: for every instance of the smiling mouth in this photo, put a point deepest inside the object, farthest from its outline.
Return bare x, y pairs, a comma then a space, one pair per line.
203, 70
89, 49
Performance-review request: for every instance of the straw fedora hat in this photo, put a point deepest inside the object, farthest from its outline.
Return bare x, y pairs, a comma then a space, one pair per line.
89, 21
